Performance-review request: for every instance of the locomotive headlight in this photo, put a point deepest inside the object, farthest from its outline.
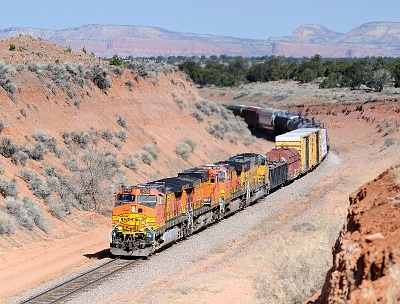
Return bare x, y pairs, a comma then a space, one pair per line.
119, 228
133, 209
141, 229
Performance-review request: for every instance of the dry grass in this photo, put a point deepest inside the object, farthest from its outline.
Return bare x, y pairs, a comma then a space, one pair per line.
396, 173
290, 271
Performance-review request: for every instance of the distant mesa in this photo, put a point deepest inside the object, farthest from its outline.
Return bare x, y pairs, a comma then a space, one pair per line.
369, 39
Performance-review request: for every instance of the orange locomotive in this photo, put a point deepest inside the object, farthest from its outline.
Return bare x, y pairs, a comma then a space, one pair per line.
150, 216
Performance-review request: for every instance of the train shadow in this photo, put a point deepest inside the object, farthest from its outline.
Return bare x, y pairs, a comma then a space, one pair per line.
259, 133
103, 254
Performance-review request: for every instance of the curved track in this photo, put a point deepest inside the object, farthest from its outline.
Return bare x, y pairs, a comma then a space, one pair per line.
86, 280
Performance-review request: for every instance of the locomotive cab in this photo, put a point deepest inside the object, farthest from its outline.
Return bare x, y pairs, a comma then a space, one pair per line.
137, 214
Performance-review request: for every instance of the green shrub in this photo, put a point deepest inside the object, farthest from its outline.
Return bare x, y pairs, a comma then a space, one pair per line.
12, 47
116, 60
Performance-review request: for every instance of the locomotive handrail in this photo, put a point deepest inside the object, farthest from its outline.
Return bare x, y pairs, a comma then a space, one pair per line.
116, 225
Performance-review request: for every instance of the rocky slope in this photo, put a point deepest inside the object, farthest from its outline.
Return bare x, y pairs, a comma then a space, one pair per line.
366, 255
370, 39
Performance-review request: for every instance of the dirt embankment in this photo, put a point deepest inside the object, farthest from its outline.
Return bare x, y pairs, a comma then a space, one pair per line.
366, 255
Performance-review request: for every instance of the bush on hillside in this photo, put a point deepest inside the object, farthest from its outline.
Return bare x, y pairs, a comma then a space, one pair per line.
7, 223
122, 122
58, 208
36, 213
98, 168
38, 186
131, 162
121, 135
185, 147
37, 151
8, 187
81, 138
18, 210
100, 77
107, 135
21, 157
7, 146
152, 150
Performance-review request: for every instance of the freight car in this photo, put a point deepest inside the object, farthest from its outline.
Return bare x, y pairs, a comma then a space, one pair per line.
272, 120
148, 217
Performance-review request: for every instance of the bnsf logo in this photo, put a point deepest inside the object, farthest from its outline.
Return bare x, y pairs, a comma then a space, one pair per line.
145, 191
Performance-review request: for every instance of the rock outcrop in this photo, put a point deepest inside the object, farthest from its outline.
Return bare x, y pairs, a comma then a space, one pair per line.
366, 255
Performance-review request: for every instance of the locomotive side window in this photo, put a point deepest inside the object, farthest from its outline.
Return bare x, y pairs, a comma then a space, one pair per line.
212, 179
147, 200
221, 176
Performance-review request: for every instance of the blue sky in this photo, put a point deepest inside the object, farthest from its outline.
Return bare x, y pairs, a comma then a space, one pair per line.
255, 19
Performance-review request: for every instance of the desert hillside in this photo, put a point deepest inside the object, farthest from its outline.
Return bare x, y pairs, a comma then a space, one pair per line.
74, 129
66, 123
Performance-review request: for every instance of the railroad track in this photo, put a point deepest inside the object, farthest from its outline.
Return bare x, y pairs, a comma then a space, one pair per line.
62, 292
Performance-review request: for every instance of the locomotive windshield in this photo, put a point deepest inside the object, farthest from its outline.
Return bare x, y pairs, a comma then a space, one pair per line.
123, 199
147, 200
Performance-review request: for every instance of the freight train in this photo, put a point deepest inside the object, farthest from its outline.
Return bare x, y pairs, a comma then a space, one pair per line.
151, 216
